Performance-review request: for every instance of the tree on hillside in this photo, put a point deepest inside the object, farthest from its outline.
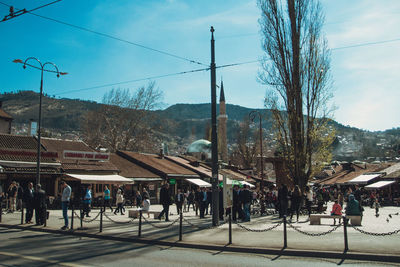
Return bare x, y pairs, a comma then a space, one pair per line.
123, 121
296, 73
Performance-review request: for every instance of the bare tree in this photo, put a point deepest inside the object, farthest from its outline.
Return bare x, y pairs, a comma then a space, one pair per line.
296, 72
245, 152
123, 121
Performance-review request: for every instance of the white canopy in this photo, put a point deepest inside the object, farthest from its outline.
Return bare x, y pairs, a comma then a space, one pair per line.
230, 181
365, 178
199, 182
379, 184
100, 179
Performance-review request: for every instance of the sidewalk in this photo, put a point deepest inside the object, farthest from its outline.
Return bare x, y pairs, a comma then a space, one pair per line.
194, 231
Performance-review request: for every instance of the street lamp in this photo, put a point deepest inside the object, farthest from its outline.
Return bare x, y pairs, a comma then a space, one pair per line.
252, 117
40, 101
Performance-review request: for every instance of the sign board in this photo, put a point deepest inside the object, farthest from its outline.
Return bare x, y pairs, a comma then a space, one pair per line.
86, 155
43, 154
172, 181
227, 193
151, 187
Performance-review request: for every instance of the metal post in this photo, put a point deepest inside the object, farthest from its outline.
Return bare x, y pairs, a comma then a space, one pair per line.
81, 216
1, 210
214, 137
22, 213
39, 131
140, 223
45, 217
346, 244
72, 215
102, 209
284, 232
180, 226
230, 227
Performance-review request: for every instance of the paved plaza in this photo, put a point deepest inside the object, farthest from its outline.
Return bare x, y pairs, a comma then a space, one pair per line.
301, 236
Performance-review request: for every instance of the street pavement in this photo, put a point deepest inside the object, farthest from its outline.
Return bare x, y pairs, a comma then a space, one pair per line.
299, 235
30, 248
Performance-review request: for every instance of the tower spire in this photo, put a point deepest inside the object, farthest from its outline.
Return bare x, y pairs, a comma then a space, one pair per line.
222, 94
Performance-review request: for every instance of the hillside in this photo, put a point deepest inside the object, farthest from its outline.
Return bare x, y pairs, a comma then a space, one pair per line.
184, 123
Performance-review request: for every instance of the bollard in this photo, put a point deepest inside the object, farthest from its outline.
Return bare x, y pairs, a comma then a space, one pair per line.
72, 216
140, 223
46, 214
22, 213
180, 225
284, 232
101, 218
1, 208
230, 228
346, 244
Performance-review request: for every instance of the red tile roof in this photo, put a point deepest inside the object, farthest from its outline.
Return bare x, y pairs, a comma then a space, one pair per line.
17, 142
5, 115
130, 169
155, 163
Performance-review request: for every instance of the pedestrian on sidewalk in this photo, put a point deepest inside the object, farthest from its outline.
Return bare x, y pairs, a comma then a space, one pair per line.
197, 199
203, 202
246, 197
65, 199
107, 198
87, 200
179, 198
12, 196
165, 201
376, 206
296, 203
20, 197
146, 205
40, 205
119, 201
29, 203
309, 199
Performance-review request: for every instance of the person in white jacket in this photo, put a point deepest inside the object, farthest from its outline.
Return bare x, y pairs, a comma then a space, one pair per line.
119, 202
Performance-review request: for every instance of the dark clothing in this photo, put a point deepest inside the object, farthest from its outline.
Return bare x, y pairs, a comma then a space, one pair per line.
283, 201
165, 200
296, 202
40, 207
236, 209
179, 202
29, 204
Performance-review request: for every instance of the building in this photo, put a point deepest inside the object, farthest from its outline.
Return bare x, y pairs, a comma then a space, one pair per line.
5, 121
222, 121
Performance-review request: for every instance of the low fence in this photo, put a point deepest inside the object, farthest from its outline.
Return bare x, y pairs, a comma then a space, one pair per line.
102, 216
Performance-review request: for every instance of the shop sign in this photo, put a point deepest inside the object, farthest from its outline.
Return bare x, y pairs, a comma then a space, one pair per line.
172, 181
85, 155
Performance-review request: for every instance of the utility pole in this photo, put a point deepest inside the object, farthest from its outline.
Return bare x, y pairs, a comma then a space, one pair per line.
214, 139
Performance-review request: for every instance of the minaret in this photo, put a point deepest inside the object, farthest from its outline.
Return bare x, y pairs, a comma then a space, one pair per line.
222, 119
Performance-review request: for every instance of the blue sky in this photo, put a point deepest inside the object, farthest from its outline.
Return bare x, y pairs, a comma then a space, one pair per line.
365, 78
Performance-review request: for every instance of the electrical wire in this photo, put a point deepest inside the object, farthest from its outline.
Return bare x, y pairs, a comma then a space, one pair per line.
24, 11
112, 37
156, 77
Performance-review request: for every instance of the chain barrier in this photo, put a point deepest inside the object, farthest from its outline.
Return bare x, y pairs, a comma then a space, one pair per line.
259, 230
114, 221
375, 234
87, 221
202, 227
315, 234
158, 226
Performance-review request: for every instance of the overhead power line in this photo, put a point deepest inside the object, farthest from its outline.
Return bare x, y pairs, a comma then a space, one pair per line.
366, 44
23, 11
112, 37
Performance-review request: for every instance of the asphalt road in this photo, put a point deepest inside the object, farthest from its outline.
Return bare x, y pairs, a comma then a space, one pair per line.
28, 248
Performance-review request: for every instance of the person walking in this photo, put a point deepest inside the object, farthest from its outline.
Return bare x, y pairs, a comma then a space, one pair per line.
29, 203
12, 196
296, 203
65, 199
246, 197
179, 198
203, 202
107, 198
165, 201
146, 205
197, 199
283, 200
119, 199
309, 199
87, 200
40, 205
191, 200
20, 197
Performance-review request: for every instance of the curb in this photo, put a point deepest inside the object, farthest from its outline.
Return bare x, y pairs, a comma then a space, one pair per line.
224, 248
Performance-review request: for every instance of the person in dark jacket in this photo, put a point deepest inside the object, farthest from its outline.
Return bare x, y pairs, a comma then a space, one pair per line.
209, 200
197, 199
179, 201
203, 202
165, 201
296, 202
40, 205
20, 196
245, 198
29, 203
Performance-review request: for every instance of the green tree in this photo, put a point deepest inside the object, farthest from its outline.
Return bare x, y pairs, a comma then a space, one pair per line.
295, 70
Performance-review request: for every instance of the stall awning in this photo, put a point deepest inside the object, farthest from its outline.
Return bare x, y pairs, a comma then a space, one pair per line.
199, 182
146, 179
100, 179
379, 184
236, 182
365, 178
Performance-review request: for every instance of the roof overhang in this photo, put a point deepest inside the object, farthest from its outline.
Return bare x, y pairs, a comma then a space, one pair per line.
100, 179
